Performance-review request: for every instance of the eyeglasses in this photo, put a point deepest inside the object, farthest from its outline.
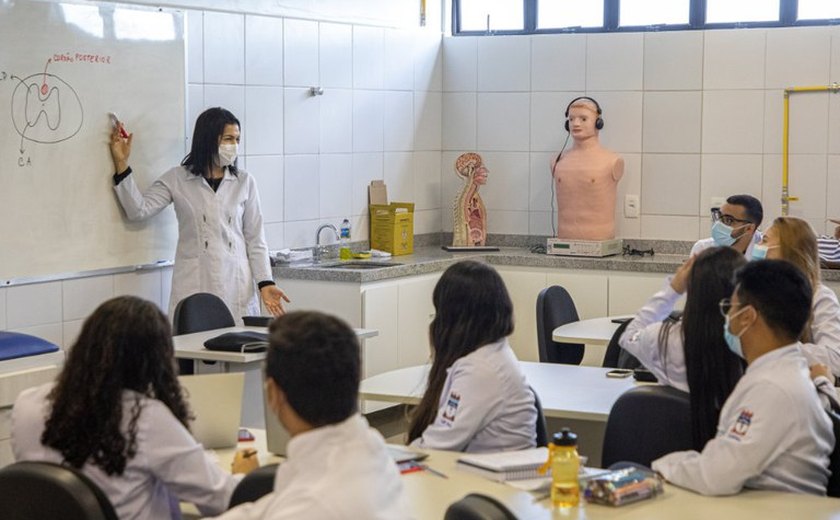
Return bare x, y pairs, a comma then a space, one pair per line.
717, 215
630, 251
726, 305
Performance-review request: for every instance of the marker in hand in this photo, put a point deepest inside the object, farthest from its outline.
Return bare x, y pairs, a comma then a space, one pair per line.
115, 121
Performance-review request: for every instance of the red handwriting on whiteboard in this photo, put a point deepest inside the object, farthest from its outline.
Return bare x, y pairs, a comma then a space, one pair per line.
81, 57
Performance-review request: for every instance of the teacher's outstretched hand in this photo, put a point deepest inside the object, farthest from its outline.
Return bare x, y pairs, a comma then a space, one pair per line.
272, 298
120, 148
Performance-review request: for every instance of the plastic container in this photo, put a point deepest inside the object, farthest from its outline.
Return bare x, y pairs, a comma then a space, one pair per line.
344, 252
565, 465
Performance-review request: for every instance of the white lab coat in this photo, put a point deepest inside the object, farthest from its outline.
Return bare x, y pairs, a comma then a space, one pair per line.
706, 243
772, 434
221, 243
641, 338
337, 472
169, 464
825, 331
486, 405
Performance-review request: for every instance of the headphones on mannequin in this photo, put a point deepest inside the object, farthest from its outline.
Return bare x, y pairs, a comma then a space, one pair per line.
599, 123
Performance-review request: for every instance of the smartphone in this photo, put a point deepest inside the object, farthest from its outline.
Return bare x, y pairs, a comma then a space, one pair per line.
620, 372
621, 320
644, 375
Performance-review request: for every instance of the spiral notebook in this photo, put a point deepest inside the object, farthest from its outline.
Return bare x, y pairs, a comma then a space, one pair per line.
507, 465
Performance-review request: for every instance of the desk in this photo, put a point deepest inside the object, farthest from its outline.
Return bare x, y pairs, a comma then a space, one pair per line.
597, 331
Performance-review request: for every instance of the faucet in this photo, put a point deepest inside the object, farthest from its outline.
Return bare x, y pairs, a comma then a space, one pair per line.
318, 248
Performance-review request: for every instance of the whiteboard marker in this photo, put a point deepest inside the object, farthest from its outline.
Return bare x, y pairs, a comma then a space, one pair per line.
115, 121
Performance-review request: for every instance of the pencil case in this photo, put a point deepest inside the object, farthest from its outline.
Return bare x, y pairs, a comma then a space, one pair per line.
623, 486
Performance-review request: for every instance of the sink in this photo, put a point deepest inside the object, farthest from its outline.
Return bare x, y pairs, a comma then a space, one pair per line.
353, 265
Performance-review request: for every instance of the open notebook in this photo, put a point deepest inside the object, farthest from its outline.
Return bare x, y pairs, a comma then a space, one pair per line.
507, 465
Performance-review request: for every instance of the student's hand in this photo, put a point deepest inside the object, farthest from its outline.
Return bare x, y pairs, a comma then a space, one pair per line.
837, 232
819, 369
120, 150
272, 297
245, 461
679, 282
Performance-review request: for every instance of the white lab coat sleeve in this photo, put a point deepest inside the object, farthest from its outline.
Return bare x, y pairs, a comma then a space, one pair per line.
826, 392
181, 463
825, 331
287, 507
750, 440
252, 230
641, 337
139, 206
469, 404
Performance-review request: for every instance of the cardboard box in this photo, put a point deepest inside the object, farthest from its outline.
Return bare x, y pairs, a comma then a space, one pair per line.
392, 227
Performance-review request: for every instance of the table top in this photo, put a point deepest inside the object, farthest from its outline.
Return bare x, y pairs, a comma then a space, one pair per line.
191, 346
596, 331
566, 391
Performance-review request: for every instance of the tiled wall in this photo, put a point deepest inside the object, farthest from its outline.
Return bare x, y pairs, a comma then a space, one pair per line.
695, 115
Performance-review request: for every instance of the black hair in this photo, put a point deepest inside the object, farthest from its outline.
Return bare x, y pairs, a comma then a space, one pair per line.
126, 344
779, 292
752, 206
204, 150
315, 359
472, 309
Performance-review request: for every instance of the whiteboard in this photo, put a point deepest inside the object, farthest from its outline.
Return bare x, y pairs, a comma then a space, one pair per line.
63, 67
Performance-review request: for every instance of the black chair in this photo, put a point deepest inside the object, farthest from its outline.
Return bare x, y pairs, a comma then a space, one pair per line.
254, 486
554, 308
617, 357
476, 506
542, 429
833, 488
197, 313
646, 423
45, 490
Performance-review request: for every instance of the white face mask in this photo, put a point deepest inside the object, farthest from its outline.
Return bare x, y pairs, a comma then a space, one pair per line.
227, 154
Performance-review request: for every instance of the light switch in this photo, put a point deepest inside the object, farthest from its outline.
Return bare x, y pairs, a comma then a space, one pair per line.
631, 206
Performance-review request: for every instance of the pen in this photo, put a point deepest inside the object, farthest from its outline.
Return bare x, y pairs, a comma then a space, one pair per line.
430, 470
248, 454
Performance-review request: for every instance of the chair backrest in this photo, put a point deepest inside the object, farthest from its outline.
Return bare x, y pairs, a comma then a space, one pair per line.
200, 312
254, 486
833, 488
617, 357
476, 506
646, 423
542, 429
554, 308
31, 489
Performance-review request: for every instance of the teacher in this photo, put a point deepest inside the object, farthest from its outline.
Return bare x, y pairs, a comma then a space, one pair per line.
221, 244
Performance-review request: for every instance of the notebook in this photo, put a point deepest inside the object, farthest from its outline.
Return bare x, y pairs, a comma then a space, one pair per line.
507, 465
216, 403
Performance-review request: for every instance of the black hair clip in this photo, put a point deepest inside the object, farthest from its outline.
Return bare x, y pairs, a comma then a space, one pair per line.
631, 251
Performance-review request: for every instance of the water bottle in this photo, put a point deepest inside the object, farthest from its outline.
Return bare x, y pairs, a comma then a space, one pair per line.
565, 465
344, 252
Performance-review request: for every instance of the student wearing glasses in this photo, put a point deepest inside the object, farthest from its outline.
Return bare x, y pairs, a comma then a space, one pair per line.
735, 224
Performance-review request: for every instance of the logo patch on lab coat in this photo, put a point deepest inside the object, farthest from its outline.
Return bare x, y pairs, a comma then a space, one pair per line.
452, 402
742, 424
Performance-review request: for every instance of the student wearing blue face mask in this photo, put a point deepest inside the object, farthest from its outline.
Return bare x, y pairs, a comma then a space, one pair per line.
735, 224
773, 432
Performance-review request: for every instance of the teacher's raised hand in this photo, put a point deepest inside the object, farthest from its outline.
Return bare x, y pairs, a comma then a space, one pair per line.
120, 148
272, 297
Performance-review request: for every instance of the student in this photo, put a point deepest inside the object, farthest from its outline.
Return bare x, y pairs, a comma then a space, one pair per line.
792, 239
690, 354
337, 467
773, 432
735, 224
477, 398
221, 243
117, 413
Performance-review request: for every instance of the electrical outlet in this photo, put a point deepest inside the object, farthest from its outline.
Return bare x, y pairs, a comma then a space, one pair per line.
717, 202
631, 206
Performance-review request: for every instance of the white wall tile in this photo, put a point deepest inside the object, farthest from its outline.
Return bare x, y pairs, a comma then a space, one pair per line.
336, 185
275, 235
263, 50
231, 97
460, 58
622, 114
70, 332
809, 122
507, 222
548, 116
427, 221
300, 53
673, 60
81, 296
336, 55
368, 121
428, 61
195, 106
224, 48
166, 288
368, 57
614, 61
398, 120
427, 181
398, 71
541, 183
301, 125
832, 209
268, 172
558, 62
631, 183
450, 184
459, 121
503, 121
504, 64
835, 52
670, 184
506, 188
361, 227
336, 121
263, 116
399, 176
2, 308
798, 56
143, 284
195, 46
427, 120
671, 122
366, 167
734, 59
834, 123
302, 234
725, 175
731, 121
540, 223
50, 332
302, 187
808, 181
670, 228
